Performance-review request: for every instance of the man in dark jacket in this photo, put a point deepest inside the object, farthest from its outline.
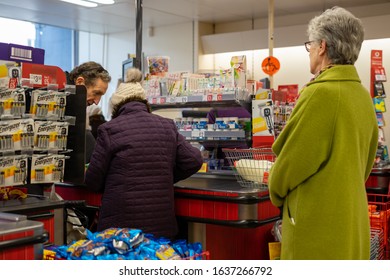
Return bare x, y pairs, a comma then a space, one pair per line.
137, 158
95, 79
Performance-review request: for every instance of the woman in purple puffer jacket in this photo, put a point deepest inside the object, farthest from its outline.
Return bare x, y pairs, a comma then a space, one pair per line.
137, 158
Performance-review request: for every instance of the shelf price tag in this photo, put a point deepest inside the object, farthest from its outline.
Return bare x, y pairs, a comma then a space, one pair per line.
36, 79
154, 100
195, 134
219, 97
162, 100
171, 99
182, 99
207, 98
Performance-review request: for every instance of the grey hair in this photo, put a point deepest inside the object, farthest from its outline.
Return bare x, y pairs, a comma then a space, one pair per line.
90, 71
133, 75
342, 32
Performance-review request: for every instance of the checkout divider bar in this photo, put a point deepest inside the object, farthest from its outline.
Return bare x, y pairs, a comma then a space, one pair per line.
24, 241
237, 223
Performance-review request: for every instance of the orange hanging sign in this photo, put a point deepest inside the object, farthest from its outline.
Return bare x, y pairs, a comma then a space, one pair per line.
270, 65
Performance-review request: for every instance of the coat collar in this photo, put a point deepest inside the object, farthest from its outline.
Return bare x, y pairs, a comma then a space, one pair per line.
132, 106
338, 73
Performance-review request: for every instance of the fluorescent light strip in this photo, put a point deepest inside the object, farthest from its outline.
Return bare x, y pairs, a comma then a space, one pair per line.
103, 1
81, 3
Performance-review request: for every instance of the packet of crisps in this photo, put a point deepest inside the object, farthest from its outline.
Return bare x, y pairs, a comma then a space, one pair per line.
166, 252
119, 240
87, 249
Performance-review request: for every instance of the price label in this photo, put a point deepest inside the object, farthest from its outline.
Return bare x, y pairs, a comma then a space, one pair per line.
207, 98
219, 97
195, 134
36, 79
380, 77
154, 100
162, 100
172, 99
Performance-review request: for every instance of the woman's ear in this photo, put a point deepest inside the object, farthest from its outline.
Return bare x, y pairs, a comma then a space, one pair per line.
80, 81
322, 48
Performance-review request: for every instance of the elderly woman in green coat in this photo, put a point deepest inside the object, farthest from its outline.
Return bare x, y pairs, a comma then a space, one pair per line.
326, 150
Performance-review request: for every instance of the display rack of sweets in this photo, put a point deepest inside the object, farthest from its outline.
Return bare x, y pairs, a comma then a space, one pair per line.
126, 244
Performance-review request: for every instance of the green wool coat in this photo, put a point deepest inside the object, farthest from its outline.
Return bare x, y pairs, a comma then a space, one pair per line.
324, 156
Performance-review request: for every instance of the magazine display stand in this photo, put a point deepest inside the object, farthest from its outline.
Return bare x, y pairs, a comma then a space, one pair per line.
378, 77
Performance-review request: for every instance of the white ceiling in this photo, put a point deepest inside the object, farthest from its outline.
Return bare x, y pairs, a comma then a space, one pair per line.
120, 17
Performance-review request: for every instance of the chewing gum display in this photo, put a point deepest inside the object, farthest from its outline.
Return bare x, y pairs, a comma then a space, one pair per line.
12, 102
48, 104
47, 168
16, 134
13, 170
128, 244
50, 135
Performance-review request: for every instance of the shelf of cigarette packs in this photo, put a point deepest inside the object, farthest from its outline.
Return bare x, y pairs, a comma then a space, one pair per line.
33, 134
198, 129
379, 212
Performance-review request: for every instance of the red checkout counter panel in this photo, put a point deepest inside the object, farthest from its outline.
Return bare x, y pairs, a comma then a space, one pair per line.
230, 221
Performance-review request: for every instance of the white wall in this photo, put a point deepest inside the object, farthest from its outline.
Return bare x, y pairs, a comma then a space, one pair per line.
91, 47
119, 46
175, 41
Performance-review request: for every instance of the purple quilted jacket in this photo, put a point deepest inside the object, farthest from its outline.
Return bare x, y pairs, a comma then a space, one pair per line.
137, 158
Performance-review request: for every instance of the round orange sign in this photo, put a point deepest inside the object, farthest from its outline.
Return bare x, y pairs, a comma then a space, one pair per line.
270, 65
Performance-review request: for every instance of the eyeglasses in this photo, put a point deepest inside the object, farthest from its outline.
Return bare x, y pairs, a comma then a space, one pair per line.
308, 45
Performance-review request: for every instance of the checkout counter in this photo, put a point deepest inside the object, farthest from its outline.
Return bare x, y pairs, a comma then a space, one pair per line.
41, 209
230, 221
27, 224
378, 182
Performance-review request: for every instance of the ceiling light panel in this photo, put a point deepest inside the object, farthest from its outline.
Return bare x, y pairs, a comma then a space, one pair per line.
103, 1
81, 3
